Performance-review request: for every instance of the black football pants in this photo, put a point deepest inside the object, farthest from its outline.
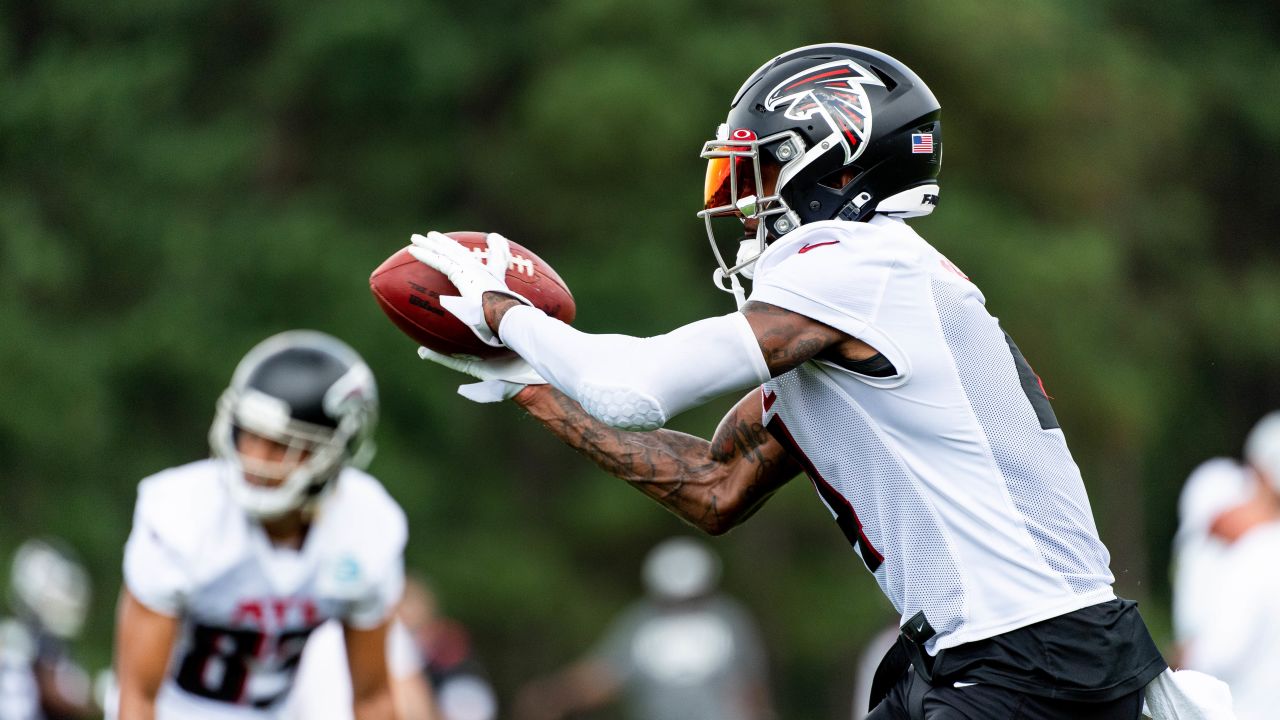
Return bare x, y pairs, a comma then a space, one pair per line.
988, 702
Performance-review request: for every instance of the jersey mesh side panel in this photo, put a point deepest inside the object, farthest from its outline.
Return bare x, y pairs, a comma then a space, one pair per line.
919, 570
1041, 477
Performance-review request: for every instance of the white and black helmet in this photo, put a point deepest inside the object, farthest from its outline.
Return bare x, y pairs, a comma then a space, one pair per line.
311, 393
850, 132
681, 568
1262, 448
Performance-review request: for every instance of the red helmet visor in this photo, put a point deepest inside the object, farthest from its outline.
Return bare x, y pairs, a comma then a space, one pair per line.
721, 172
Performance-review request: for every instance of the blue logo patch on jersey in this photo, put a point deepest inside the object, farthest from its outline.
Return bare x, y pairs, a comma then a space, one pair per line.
346, 570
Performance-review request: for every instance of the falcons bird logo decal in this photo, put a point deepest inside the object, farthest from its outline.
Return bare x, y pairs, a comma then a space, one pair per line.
835, 91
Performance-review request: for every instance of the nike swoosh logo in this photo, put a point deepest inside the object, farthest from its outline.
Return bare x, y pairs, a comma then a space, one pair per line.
959, 684
808, 247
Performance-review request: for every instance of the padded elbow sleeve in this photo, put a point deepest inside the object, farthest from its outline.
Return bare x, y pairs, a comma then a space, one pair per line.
639, 383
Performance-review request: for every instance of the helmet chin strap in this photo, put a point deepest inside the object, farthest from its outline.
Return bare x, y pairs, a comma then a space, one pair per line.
733, 287
749, 250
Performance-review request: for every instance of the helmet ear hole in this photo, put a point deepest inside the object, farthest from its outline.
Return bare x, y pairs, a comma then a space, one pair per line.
840, 179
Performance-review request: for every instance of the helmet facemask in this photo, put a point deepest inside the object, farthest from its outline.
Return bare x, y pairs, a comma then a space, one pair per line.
312, 457
735, 182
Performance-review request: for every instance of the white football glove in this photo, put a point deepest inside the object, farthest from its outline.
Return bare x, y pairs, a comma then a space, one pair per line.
472, 278
500, 378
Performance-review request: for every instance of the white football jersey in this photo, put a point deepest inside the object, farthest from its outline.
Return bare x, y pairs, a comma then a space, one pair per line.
951, 478
247, 606
19, 691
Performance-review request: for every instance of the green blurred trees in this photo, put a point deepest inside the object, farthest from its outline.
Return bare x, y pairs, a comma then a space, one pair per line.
180, 179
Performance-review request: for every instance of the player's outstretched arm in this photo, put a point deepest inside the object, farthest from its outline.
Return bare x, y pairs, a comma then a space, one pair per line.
628, 382
713, 485
640, 383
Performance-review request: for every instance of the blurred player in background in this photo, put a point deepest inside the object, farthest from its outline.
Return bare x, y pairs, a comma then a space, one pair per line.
235, 560
1227, 601
685, 652
876, 369
868, 662
1211, 492
49, 594
322, 688
458, 680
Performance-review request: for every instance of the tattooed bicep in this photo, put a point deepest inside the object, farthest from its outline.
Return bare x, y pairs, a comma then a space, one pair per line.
787, 339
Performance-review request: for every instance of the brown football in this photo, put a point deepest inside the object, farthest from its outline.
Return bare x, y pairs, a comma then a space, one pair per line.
409, 293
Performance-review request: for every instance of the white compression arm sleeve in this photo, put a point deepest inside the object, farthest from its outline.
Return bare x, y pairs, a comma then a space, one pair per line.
638, 383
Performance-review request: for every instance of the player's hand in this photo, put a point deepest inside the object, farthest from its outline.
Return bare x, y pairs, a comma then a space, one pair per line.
500, 378
472, 277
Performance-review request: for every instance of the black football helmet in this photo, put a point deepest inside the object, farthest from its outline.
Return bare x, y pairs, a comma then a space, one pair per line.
309, 392
842, 131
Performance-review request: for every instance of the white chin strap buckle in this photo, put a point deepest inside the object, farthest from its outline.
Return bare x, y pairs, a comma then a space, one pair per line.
733, 287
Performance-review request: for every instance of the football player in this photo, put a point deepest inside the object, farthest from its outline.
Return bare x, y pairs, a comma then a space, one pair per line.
49, 594
459, 682
234, 560
684, 651
874, 368
1227, 592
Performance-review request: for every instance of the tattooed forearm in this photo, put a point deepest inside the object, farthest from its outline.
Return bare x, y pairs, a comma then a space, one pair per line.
713, 484
743, 440
665, 465
496, 305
